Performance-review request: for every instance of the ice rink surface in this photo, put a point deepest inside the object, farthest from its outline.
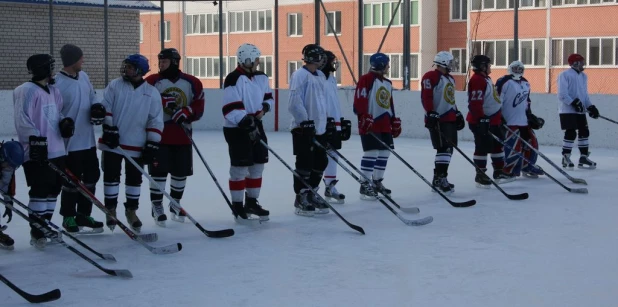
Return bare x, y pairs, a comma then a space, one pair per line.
553, 249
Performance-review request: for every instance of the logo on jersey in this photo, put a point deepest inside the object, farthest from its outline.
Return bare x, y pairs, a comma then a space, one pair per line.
519, 98
449, 93
383, 97
181, 98
495, 92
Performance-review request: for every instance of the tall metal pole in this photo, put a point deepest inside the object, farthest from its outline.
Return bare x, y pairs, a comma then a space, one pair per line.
332, 28
51, 27
405, 14
162, 26
316, 11
221, 44
516, 31
106, 40
276, 60
361, 27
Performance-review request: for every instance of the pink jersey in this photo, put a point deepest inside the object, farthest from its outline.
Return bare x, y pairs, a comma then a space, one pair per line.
37, 113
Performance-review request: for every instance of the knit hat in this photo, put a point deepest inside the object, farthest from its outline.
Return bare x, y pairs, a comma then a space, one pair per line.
70, 54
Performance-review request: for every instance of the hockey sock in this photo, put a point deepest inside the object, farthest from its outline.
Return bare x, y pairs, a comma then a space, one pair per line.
330, 173
238, 182
156, 196
480, 160
315, 178
84, 204
132, 194
51, 205
38, 205
177, 187
582, 141
68, 199
110, 191
380, 166
368, 162
254, 180
298, 185
568, 141
497, 157
443, 159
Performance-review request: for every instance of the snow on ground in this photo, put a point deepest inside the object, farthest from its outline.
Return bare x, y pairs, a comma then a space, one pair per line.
554, 249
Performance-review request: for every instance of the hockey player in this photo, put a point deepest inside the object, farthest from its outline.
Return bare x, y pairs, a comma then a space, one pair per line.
373, 104
514, 91
333, 113
41, 128
574, 100
11, 157
79, 103
183, 103
484, 116
442, 117
247, 97
134, 121
309, 121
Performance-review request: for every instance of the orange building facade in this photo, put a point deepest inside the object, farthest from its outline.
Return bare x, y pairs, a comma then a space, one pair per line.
549, 30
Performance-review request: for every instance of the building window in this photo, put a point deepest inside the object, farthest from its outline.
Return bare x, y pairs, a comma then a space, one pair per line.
580, 2
597, 51
506, 4
396, 63
380, 14
232, 63
460, 60
459, 9
167, 30
205, 23
205, 67
141, 32
295, 24
335, 20
292, 67
266, 65
251, 21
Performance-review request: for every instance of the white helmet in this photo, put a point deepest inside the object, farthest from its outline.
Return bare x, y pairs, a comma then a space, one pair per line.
516, 69
444, 59
247, 54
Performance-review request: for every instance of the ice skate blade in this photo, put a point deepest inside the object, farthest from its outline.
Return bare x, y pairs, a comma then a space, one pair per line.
443, 192
590, 167
136, 229
39, 243
89, 231
367, 197
531, 175
250, 221
177, 218
111, 227
503, 181
303, 213
160, 224
568, 167
336, 201
322, 211
483, 186
8, 248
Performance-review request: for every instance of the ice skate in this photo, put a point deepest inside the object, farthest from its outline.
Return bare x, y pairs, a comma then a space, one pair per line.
442, 184
252, 207
586, 163
69, 224
566, 161
158, 214
500, 177
320, 205
6, 242
482, 180
88, 225
379, 187
111, 219
37, 239
133, 220
332, 195
302, 205
533, 171
367, 192
177, 214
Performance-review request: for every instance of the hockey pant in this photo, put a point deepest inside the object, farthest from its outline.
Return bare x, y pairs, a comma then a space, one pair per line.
311, 160
514, 164
485, 144
112, 166
45, 185
85, 165
176, 160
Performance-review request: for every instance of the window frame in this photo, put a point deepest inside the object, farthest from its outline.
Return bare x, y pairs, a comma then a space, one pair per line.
298, 64
576, 47
298, 20
239, 16
414, 74
535, 5
334, 21
462, 8
462, 65
392, 5
168, 30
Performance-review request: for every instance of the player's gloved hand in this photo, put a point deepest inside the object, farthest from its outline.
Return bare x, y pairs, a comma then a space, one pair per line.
182, 115
247, 123
307, 128
346, 129
395, 126
38, 148
577, 105
593, 112
460, 123
265, 107
483, 126
331, 128
8, 213
111, 138
433, 118
149, 153
534, 122
365, 121
169, 102
97, 114
67, 127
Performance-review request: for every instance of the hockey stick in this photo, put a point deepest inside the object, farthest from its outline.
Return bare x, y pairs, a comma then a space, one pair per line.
417, 222
509, 196
455, 204
572, 190
33, 298
227, 200
49, 223
38, 223
608, 119
538, 152
141, 239
412, 210
355, 227
209, 233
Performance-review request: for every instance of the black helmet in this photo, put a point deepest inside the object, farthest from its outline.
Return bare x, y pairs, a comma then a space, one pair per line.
313, 53
169, 53
40, 66
480, 62
331, 65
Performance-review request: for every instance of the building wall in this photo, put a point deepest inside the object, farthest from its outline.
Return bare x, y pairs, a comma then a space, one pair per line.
26, 31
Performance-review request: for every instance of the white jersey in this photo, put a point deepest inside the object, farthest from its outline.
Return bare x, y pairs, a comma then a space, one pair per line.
77, 96
244, 94
515, 97
571, 85
308, 99
137, 112
333, 106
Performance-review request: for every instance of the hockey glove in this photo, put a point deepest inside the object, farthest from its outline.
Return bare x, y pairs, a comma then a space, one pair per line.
8, 213
307, 128
38, 148
534, 122
247, 123
346, 129
265, 107
396, 126
459, 121
331, 128
483, 126
97, 114
149, 153
111, 138
365, 121
169, 102
593, 112
182, 115
67, 127
577, 105
432, 120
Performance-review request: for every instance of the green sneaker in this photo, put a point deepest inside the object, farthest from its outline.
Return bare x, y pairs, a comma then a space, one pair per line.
70, 225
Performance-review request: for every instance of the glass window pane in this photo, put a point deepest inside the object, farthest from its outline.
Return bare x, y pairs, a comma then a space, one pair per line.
269, 20
202, 23
501, 4
464, 9
232, 22
582, 45
377, 13
246, 22
539, 52
189, 24
209, 28
525, 53
215, 23
396, 66
607, 51
338, 22
196, 24
196, 67
511, 53
477, 48
291, 24
299, 24
261, 20
456, 60
525, 3
594, 50
215, 66
568, 49
488, 50
224, 22
456, 9
477, 5
464, 60
501, 53
367, 15
397, 18
488, 4
556, 52
414, 12
203, 67
414, 66
239, 22
254, 21
386, 13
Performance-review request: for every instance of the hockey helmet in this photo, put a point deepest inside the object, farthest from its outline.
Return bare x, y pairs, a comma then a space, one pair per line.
331, 61
480, 62
314, 54
444, 59
247, 54
516, 69
40, 66
170, 53
12, 152
378, 61
138, 61
577, 62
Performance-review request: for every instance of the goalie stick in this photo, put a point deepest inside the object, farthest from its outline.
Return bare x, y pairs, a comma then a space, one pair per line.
139, 238
33, 298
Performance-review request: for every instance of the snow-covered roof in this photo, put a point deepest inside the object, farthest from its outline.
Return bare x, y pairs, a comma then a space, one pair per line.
136, 5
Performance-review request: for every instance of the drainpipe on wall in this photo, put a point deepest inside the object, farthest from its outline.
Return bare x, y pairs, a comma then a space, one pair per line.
183, 9
548, 49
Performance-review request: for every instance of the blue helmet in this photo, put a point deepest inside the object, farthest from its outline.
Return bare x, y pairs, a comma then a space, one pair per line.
12, 152
139, 61
379, 61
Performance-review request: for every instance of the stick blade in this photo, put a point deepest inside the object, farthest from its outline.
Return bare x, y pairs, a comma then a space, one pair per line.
579, 190
419, 222
464, 204
224, 233
357, 228
43, 298
149, 237
579, 181
521, 196
169, 249
411, 210
122, 273
109, 257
